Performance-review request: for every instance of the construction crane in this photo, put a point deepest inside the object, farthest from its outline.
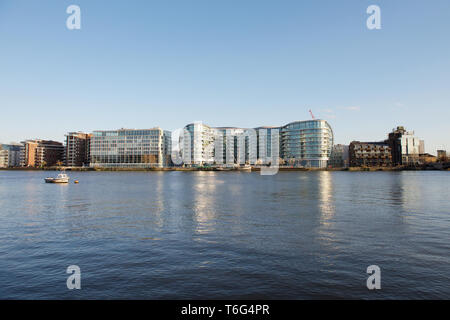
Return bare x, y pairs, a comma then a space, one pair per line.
312, 114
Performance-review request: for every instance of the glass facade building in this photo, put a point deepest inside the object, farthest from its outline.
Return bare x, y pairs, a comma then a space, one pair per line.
10, 155
301, 143
198, 144
130, 148
234, 146
306, 143
339, 157
268, 145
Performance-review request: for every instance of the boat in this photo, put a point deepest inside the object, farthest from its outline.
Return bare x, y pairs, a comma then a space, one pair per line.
223, 169
245, 168
61, 178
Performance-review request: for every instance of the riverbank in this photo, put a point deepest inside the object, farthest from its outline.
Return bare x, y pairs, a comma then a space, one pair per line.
254, 169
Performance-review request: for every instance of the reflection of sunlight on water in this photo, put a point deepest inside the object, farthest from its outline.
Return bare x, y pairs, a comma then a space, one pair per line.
326, 209
42, 201
410, 192
205, 185
326, 203
406, 193
158, 188
30, 193
36, 192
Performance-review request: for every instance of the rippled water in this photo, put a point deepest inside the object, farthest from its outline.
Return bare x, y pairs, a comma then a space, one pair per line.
224, 235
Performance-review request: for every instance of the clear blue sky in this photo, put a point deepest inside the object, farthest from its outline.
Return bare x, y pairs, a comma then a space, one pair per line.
247, 63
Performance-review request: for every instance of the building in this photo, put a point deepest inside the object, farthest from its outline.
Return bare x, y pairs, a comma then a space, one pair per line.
442, 155
339, 156
4, 158
268, 145
300, 143
369, 154
41, 153
198, 144
78, 149
306, 143
130, 148
421, 147
427, 158
227, 148
406, 148
10, 155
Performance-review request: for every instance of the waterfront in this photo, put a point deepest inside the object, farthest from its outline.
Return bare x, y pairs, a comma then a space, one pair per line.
225, 235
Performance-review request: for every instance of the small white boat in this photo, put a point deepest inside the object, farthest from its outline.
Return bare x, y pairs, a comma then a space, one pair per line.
61, 178
224, 168
245, 168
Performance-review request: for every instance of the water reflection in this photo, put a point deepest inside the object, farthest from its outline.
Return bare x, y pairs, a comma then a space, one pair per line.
326, 206
406, 193
411, 191
204, 187
326, 201
32, 196
296, 235
157, 188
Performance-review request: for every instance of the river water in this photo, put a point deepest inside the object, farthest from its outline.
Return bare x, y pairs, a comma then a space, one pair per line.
225, 235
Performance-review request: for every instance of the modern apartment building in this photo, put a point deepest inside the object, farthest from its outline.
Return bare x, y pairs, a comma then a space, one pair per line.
300, 143
41, 153
268, 145
4, 158
78, 149
130, 148
406, 148
442, 154
235, 146
369, 154
198, 144
339, 157
10, 155
306, 143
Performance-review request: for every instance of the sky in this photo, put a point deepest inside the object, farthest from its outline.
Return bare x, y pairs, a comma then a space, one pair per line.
244, 63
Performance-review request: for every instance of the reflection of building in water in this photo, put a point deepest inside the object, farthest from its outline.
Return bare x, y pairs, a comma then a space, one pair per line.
411, 192
204, 187
326, 201
404, 192
327, 234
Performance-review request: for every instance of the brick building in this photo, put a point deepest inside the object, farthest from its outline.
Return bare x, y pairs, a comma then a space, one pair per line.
369, 154
41, 153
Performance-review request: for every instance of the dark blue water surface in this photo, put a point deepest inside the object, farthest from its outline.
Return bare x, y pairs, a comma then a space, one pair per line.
225, 235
